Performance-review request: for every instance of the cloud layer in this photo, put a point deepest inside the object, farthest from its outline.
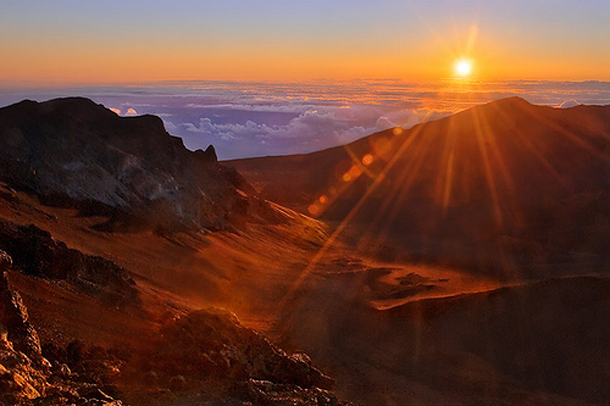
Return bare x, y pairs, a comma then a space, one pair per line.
311, 130
256, 119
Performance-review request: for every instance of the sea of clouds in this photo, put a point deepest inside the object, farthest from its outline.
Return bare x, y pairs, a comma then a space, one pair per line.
244, 119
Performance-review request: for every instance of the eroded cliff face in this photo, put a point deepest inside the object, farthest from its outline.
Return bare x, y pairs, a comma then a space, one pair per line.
73, 152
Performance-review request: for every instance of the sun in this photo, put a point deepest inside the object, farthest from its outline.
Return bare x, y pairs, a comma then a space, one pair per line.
463, 68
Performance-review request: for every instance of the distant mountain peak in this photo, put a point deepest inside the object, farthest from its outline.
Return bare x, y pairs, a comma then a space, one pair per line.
512, 100
507, 104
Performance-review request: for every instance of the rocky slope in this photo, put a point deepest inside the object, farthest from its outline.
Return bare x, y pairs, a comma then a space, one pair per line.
36, 253
208, 354
26, 376
204, 357
73, 152
543, 343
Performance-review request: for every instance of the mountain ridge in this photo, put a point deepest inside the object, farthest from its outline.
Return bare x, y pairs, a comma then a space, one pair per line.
508, 175
74, 152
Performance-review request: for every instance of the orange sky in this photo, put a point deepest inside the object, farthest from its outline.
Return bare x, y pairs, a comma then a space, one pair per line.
80, 43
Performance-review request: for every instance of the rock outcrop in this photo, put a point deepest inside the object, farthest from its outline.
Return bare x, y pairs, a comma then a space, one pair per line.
205, 357
213, 342
14, 315
26, 377
73, 152
36, 253
208, 354
22, 368
20, 380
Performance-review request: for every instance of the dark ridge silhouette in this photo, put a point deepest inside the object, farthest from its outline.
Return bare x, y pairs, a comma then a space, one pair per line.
500, 186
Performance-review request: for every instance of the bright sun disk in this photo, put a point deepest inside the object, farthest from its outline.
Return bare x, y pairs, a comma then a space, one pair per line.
463, 68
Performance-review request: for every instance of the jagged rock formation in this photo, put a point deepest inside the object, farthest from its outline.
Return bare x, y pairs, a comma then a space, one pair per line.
20, 380
211, 349
36, 253
14, 315
74, 152
26, 377
22, 372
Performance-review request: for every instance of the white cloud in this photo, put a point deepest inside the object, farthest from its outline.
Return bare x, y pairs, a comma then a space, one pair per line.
295, 108
316, 128
170, 127
246, 119
383, 123
566, 104
310, 131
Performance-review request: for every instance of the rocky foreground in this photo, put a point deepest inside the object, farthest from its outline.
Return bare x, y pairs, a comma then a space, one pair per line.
205, 358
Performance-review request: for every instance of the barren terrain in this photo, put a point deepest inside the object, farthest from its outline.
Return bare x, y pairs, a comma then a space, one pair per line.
406, 289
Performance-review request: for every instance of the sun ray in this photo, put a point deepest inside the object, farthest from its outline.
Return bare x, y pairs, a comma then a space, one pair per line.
581, 143
448, 183
533, 149
391, 206
333, 237
472, 37
491, 183
444, 183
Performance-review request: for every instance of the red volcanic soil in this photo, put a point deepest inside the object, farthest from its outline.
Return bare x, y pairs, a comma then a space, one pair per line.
539, 343
389, 332
180, 271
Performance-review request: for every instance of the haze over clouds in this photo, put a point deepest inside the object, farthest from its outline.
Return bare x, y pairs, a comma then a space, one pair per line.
243, 119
